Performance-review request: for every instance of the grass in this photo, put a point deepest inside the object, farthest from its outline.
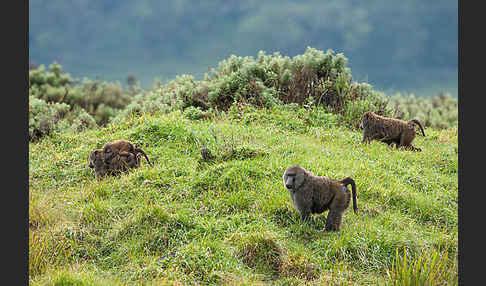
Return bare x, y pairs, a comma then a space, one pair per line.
230, 220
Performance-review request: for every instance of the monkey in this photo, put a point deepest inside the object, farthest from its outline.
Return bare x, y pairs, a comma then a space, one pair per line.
124, 163
124, 151
313, 194
389, 130
97, 162
102, 167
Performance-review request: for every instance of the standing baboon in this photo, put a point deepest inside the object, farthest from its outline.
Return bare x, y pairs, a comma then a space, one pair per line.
313, 194
389, 130
122, 151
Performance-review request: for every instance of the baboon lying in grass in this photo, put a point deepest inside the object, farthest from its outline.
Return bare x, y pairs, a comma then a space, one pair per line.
313, 194
122, 154
389, 130
116, 157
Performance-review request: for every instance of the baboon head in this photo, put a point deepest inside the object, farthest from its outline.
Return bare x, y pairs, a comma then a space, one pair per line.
95, 158
97, 162
365, 118
294, 177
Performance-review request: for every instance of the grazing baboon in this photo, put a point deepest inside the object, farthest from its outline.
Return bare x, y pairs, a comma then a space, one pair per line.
121, 152
97, 162
389, 130
118, 164
313, 194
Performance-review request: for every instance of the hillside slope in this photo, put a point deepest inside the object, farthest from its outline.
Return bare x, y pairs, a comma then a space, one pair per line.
231, 220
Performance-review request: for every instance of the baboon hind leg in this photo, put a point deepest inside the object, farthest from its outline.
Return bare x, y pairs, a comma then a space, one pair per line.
406, 139
413, 148
333, 221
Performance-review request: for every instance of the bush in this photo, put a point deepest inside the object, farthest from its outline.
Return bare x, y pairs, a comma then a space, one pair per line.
438, 111
194, 113
101, 100
312, 79
45, 118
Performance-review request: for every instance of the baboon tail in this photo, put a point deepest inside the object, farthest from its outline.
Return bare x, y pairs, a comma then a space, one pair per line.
348, 181
138, 150
419, 125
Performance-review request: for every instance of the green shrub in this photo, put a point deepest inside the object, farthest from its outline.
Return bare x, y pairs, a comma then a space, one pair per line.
194, 113
101, 100
260, 251
439, 111
45, 118
312, 79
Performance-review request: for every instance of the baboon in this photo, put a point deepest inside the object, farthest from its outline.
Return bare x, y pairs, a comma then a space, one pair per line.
389, 130
115, 157
313, 194
121, 152
118, 164
97, 162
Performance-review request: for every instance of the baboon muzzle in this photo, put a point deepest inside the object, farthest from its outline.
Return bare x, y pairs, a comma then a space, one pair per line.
289, 184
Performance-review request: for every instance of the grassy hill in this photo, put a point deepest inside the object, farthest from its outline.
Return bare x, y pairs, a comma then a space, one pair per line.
231, 221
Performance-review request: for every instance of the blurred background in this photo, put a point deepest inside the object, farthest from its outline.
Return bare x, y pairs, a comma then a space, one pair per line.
396, 46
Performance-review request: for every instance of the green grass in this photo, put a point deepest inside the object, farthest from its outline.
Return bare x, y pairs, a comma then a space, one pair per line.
231, 221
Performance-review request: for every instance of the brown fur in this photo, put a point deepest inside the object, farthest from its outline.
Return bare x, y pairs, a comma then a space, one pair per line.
389, 130
116, 157
118, 164
97, 162
120, 152
313, 194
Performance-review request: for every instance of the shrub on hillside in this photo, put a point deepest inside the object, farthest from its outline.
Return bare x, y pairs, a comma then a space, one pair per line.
101, 100
45, 118
438, 111
312, 79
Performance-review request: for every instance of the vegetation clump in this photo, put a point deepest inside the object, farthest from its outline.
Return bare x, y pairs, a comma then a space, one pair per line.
313, 79
440, 111
54, 96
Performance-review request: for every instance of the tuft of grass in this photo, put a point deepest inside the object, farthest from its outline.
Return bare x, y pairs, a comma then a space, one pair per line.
429, 268
45, 251
260, 251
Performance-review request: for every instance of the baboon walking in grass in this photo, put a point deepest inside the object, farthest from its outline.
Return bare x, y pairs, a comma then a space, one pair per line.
389, 130
313, 194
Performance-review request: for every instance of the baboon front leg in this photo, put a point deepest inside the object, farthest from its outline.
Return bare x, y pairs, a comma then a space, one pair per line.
333, 221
